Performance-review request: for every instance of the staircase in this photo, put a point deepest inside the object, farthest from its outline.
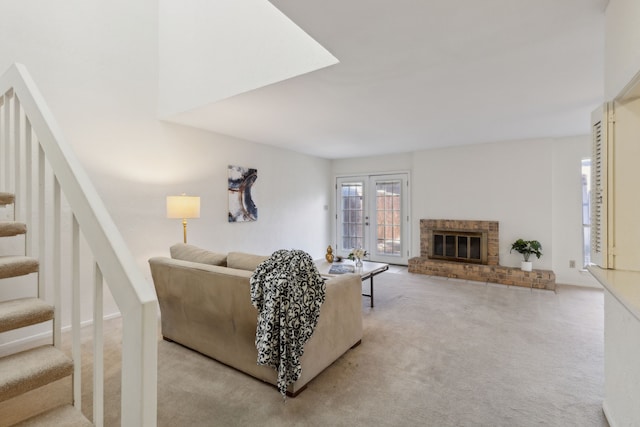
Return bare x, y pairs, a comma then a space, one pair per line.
48, 201
35, 368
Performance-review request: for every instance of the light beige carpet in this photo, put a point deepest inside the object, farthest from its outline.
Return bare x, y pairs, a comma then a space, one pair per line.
435, 352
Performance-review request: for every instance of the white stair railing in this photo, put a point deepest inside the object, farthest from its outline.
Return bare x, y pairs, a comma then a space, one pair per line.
34, 156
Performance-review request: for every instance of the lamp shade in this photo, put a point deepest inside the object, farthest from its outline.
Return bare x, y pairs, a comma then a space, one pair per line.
183, 206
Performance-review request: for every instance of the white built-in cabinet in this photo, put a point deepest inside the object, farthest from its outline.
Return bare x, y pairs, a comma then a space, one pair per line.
615, 215
616, 249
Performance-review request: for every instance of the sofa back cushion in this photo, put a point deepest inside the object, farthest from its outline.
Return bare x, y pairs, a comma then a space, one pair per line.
244, 261
192, 253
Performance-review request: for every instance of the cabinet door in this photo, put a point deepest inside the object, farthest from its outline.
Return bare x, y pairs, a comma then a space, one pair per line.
601, 121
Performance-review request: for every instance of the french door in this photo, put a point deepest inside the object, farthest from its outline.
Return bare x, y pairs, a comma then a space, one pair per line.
373, 213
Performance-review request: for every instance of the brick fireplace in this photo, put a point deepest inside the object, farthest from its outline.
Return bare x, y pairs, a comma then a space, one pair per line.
470, 250
440, 238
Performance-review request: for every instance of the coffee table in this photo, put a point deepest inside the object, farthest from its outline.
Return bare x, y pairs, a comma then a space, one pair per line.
369, 270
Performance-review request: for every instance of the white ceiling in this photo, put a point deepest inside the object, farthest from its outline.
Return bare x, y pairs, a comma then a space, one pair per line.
421, 74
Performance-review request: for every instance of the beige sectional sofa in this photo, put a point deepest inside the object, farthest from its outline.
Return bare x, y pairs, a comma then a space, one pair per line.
205, 305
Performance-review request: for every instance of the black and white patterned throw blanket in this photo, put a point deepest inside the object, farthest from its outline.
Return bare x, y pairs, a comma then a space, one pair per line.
288, 291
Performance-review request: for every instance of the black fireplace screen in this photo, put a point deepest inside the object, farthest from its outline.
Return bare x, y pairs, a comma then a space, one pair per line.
459, 246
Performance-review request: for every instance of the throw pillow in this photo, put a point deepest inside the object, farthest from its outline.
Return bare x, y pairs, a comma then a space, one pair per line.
192, 253
244, 261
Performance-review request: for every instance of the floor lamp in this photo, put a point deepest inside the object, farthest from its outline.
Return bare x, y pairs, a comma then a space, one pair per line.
184, 207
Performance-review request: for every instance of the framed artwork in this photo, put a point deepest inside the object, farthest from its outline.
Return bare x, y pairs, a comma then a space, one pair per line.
241, 205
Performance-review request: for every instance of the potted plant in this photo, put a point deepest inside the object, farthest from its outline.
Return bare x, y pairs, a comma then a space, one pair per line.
526, 248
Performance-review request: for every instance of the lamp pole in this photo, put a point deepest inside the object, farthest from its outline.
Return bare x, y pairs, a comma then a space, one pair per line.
184, 229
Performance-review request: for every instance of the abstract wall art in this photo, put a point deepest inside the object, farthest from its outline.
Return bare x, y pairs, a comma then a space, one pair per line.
241, 205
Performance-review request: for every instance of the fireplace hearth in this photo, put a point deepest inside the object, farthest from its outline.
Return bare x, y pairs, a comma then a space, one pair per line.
469, 250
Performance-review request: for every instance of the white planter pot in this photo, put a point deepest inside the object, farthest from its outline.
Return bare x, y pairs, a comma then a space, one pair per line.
526, 266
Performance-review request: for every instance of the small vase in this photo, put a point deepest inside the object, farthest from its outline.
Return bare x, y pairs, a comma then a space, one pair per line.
329, 256
358, 263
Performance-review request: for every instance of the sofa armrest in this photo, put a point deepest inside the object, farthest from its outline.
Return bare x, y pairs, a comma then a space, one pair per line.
339, 327
201, 305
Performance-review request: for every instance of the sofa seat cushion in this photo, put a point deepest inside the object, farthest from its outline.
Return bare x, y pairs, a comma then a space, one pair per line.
192, 253
244, 261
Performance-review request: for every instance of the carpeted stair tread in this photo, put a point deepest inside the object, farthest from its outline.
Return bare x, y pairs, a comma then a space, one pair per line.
22, 312
13, 266
12, 228
65, 415
6, 198
30, 369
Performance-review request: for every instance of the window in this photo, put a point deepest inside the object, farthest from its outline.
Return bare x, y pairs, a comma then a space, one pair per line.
586, 212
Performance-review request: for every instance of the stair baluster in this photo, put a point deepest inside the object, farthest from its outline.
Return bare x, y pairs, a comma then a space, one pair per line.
43, 176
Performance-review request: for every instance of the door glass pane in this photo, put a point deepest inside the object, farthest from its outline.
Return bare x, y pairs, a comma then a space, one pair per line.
388, 215
352, 206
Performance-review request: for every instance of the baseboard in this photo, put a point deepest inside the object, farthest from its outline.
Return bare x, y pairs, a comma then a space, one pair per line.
43, 338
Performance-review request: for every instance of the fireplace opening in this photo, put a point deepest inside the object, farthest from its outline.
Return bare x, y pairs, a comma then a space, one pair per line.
460, 246
463, 241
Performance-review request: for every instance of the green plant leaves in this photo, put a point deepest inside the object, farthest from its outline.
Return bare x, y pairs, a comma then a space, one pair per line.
526, 248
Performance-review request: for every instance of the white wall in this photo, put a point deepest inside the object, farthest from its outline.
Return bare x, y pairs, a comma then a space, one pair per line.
97, 65
621, 368
567, 155
210, 50
365, 165
532, 188
505, 182
291, 194
622, 45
